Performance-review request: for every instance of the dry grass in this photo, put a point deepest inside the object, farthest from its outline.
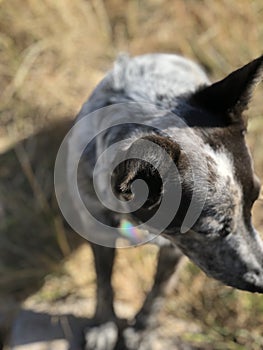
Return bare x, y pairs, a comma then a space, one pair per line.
52, 55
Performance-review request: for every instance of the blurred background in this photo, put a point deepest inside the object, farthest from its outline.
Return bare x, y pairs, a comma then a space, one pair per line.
52, 54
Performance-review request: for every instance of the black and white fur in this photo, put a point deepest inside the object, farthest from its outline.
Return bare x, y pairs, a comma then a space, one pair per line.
223, 241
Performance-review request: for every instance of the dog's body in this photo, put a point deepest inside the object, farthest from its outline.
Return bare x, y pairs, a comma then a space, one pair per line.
201, 127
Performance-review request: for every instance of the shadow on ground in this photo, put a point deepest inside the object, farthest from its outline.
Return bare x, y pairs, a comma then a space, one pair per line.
34, 239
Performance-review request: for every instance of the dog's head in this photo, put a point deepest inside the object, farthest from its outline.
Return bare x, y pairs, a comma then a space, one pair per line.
221, 240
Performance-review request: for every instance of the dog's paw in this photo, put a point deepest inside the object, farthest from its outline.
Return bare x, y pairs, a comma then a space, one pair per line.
133, 338
103, 337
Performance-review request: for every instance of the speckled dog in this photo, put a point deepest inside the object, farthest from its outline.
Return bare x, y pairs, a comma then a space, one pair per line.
222, 241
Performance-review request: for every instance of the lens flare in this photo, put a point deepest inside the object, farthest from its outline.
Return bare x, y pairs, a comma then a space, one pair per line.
131, 232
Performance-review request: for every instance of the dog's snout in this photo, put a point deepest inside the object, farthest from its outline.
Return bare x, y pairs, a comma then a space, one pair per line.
249, 252
236, 259
254, 280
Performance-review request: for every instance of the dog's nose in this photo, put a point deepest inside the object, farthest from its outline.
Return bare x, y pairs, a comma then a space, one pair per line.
257, 187
254, 280
254, 276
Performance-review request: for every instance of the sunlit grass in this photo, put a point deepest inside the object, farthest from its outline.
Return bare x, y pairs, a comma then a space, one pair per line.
53, 53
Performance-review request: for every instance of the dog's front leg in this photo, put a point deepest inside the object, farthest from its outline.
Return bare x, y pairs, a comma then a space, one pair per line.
168, 261
103, 261
103, 335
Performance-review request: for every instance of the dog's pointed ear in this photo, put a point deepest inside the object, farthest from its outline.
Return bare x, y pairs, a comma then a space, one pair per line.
232, 94
142, 160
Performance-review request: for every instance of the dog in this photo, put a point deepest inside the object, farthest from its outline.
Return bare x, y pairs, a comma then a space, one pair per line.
180, 133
